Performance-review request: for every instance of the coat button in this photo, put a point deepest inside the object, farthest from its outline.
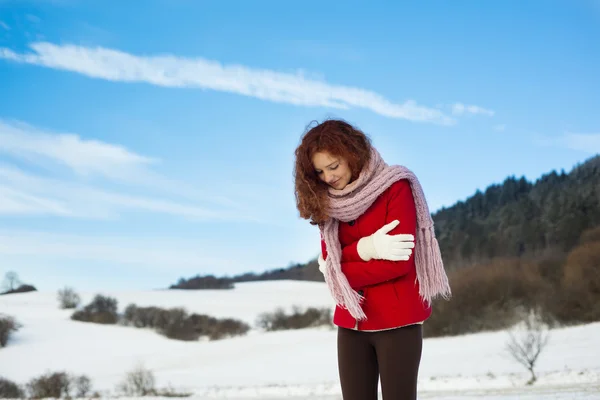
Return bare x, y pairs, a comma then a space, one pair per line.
361, 292
351, 223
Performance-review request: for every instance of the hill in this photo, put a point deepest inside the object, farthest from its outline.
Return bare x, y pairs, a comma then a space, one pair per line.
259, 363
519, 218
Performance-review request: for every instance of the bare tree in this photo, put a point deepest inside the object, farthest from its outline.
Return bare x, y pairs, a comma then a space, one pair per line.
11, 281
138, 382
68, 298
526, 347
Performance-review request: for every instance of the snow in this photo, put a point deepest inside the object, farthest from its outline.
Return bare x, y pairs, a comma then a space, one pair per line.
301, 364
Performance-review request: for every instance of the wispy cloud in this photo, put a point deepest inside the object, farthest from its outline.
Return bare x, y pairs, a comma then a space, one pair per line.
42, 2
460, 109
3, 25
147, 253
585, 142
68, 176
172, 71
33, 18
84, 157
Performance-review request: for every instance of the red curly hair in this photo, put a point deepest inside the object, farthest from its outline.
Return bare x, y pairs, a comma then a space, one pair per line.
338, 138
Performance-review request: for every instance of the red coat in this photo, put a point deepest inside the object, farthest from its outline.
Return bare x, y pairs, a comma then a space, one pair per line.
390, 288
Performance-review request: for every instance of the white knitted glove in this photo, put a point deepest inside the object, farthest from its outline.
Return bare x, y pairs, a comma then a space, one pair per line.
321, 262
381, 246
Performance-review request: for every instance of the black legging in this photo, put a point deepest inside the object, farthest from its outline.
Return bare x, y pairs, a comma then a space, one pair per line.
391, 355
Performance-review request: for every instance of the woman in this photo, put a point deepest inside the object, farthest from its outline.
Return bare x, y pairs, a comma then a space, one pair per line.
382, 281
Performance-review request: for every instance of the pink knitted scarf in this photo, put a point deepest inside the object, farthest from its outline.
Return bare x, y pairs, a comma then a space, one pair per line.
351, 202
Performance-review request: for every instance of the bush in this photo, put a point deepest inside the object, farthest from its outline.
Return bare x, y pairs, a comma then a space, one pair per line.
68, 298
8, 325
55, 385
489, 297
298, 319
59, 385
141, 317
10, 390
102, 310
138, 382
227, 328
580, 295
526, 346
176, 323
170, 392
21, 289
83, 386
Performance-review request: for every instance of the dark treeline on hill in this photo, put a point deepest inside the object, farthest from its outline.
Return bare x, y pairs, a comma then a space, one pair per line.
518, 218
514, 219
301, 272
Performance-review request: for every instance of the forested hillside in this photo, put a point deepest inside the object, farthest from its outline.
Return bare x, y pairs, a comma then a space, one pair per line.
518, 217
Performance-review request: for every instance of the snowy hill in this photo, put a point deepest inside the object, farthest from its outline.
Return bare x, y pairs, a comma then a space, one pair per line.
277, 364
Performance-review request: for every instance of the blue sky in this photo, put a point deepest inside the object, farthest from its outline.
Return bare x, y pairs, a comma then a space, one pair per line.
141, 142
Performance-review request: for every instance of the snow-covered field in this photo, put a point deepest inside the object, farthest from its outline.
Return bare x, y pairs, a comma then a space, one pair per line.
278, 365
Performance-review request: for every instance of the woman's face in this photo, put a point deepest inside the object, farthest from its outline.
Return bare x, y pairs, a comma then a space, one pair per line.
332, 170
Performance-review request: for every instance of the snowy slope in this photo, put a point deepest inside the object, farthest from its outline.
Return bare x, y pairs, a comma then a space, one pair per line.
292, 363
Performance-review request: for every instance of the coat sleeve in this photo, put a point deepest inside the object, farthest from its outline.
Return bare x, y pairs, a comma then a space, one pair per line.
400, 206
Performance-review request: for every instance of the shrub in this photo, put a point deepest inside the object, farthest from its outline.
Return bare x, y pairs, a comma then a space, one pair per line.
526, 346
580, 297
170, 392
488, 297
140, 317
298, 319
138, 382
178, 326
10, 390
56, 385
226, 328
83, 386
102, 310
21, 289
176, 323
68, 298
8, 325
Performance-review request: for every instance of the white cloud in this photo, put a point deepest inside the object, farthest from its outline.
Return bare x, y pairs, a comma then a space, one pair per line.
460, 109
584, 142
4, 25
84, 157
28, 194
16, 202
171, 71
500, 127
76, 172
148, 253
33, 18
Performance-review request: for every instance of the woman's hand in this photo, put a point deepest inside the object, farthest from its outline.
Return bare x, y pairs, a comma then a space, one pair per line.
381, 246
321, 262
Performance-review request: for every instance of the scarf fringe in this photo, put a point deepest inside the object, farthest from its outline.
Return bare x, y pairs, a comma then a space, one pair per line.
337, 282
431, 276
